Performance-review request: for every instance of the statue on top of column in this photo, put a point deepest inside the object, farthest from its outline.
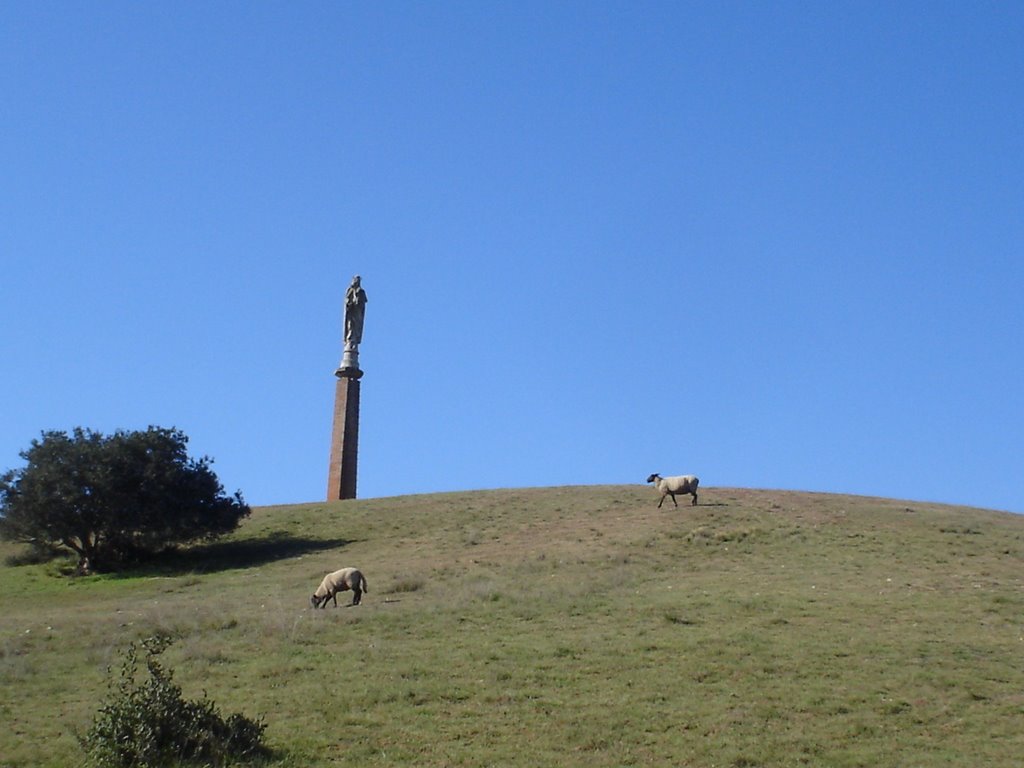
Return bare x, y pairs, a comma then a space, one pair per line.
355, 310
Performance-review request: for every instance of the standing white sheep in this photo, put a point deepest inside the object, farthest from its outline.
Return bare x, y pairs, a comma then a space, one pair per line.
670, 486
339, 581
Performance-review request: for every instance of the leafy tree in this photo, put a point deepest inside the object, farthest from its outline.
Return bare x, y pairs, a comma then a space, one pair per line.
113, 497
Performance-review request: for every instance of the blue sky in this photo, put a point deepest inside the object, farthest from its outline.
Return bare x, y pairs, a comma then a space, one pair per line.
772, 244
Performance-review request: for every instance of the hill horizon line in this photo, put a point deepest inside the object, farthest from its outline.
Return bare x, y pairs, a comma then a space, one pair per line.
703, 489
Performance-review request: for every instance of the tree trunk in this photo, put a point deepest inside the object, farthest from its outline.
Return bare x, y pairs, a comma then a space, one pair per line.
85, 553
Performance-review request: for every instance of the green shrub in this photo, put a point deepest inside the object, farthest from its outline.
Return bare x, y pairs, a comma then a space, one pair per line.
148, 723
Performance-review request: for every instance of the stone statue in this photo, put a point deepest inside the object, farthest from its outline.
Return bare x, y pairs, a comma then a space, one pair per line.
355, 309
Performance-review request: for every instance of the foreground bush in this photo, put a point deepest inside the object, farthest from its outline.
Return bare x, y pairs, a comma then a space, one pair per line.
148, 723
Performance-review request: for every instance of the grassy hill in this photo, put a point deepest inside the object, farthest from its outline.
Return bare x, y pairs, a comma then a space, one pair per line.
561, 627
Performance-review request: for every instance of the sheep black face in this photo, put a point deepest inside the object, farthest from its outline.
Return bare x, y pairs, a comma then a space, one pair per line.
670, 486
341, 580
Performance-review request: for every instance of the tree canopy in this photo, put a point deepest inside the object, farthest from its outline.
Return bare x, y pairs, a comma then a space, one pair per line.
112, 498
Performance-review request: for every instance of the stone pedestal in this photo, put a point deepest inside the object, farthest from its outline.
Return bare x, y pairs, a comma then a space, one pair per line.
350, 361
341, 475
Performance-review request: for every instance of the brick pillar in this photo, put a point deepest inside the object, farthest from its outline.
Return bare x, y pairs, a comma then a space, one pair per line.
341, 475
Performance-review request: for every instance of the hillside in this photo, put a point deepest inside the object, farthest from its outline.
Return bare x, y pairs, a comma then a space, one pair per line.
561, 627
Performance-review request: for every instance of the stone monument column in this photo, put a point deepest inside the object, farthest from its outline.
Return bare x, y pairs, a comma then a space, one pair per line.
341, 474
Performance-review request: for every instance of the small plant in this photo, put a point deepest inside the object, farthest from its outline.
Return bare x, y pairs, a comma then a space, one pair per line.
407, 583
148, 723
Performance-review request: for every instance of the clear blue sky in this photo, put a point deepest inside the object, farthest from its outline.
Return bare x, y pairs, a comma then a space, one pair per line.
773, 244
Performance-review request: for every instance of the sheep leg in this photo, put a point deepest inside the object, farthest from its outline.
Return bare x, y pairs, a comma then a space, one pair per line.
357, 595
694, 503
674, 502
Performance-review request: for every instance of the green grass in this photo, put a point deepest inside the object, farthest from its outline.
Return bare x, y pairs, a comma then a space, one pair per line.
560, 627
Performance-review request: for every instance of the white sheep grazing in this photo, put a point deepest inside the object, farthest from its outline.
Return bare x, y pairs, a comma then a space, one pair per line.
339, 581
670, 486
